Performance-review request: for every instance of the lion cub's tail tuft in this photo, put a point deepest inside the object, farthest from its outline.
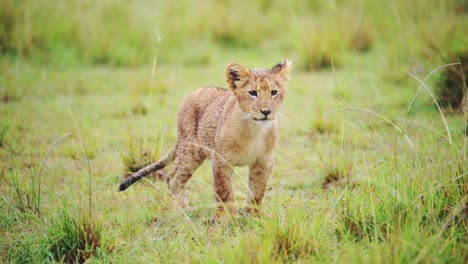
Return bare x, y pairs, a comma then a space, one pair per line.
160, 164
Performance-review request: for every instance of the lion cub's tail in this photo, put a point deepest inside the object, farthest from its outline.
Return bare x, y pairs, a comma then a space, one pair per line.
166, 160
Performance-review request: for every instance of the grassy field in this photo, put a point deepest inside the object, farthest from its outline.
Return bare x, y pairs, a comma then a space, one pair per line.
371, 165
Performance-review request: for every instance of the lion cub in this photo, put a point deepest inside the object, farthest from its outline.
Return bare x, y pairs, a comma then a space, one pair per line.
235, 127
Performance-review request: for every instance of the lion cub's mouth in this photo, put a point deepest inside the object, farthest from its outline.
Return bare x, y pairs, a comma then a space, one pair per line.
264, 120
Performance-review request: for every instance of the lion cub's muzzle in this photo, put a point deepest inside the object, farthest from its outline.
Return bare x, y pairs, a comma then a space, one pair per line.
265, 116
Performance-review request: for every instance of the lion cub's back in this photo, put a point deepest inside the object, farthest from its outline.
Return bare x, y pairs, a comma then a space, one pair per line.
200, 113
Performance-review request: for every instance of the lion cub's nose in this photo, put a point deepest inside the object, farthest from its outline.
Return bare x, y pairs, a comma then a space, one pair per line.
265, 112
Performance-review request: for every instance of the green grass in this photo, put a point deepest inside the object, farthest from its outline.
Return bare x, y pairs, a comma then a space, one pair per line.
368, 170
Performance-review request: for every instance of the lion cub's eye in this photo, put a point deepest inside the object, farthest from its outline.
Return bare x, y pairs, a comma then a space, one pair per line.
253, 93
274, 92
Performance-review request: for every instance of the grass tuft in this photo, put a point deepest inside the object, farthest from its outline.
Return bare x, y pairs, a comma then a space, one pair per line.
3, 132
74, 240
363, 39
325, 123
452, 88
356, 224
336, 170
319, 52
26, 199
139, 109
9, 96
140, 152
290, 244
323, 126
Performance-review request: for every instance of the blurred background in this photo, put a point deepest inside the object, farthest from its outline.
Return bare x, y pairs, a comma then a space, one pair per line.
400, 36
406, 34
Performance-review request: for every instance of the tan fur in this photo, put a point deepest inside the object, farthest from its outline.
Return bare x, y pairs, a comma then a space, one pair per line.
226, 126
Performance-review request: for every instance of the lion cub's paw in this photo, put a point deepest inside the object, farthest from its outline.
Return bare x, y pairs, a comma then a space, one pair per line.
250, 212
221, 216
181, 202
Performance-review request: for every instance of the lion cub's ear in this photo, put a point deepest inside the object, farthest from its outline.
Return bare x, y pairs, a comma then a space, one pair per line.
281, 71
237, 75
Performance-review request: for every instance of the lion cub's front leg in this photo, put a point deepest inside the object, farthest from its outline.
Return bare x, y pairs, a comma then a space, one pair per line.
222, 173
259, 174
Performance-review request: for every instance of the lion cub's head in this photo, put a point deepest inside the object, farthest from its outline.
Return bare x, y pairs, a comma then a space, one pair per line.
259, 91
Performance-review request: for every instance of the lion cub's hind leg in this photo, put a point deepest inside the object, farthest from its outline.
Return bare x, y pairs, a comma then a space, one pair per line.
187, 161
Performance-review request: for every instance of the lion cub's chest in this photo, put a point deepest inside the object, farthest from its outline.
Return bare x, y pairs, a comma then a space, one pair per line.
250, 148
